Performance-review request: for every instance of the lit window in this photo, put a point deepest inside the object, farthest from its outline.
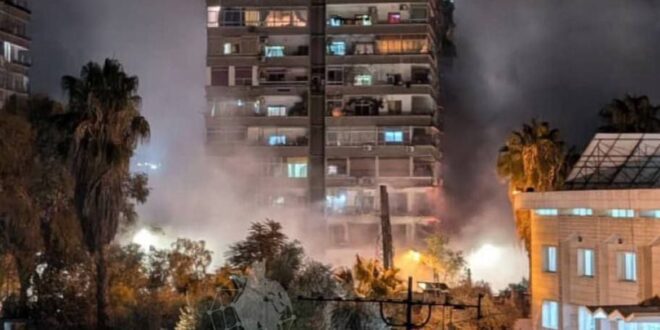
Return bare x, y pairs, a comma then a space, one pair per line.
274, 51
338, 48
550, 259
586, 262
276, 111
394, 18
622, 213
363, 80
336, 202
394, 136
547, 212
550, 314
656, 214
275, 140
622, 325
586, 321
362, 20
333, 170
628, 266
297, 170
336, 21
213, 16
582, 212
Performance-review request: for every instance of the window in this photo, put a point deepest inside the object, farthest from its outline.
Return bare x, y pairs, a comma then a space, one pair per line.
550, 314
337, 48
220, 77
622, 325
232, 17
297, 170
274, 51
276, 111
622, 213
281, 18
628, 266
394, 45
547, 212
582, 212
230, 48
213, 19
393, 136
335, 76
336, 202
275, 140
335, 21
243, 76
337, 166
362, 20
586, 321
363, 80
655, 214
586, 263
394, 18
550, 259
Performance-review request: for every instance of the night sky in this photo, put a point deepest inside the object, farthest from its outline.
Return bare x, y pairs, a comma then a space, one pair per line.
559, 61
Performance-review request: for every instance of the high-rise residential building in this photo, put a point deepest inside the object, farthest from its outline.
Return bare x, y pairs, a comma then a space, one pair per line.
331, 99
595, 247
14, 18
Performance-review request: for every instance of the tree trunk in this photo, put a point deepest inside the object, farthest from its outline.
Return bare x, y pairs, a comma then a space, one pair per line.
101, 289
24, 272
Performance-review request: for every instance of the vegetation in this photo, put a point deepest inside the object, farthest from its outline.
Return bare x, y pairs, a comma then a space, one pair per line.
532, 159
632, 114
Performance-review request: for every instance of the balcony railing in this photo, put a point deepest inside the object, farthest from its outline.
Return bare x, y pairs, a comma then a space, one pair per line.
360, 19
20, 4
380, 137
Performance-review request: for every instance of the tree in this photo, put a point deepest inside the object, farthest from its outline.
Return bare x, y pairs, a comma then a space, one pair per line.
266, 242
533, 159
442, 259
106, 128
632, 114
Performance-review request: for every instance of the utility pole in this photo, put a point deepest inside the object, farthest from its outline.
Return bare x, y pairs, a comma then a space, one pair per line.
409, 303
386, 229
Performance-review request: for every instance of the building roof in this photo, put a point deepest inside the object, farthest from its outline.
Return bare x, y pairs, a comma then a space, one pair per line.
618, 161
647, 311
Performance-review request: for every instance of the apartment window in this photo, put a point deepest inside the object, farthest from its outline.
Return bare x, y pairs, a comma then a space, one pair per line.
547, 212
586, 321
656, 214
393, 136
363, 80
232, 17
213, 19
550, 314
628, 266
582, 212
550, 259
336, 202
335, 21
394, 45
586, 263
276, 111
622, 213
364, 20
338, 48
243, 76
220, 77
297, 170
394, 18
338, 166
622, 325
230, 48
335, 76
274, 51
275, 140
282, 18
394, 167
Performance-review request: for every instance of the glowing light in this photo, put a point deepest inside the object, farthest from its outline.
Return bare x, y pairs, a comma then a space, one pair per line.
149, 166
145, 238
415, 256
487, 255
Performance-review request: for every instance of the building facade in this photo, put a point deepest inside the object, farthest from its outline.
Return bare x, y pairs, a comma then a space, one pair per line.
328, 100
595, 249
14, 18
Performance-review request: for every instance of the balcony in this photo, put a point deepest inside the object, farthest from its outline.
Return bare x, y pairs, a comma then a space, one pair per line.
21, 5
372, 23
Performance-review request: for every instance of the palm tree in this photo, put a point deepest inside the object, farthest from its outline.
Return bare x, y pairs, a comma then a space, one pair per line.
533, 159
632, 114
107, 128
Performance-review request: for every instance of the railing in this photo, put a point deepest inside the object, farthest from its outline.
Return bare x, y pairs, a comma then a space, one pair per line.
20, 4
353, 138
360, 19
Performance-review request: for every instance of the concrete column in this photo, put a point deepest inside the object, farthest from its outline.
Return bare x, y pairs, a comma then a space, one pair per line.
232, 75
255, 75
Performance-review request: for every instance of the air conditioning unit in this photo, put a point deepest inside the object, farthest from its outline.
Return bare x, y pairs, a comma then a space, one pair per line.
367, 181
368, 147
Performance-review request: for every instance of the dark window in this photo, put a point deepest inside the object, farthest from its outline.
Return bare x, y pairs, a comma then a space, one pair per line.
220, 77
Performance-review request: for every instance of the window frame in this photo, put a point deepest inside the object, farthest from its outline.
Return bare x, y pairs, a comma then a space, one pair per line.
584, 255
550, 267
550, 321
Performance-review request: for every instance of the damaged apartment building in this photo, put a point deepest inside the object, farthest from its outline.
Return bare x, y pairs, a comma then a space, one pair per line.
372, 117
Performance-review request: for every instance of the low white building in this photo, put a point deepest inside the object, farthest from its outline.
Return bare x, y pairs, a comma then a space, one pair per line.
596, 247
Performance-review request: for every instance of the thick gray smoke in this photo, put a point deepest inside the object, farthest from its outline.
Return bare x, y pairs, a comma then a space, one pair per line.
554, 60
